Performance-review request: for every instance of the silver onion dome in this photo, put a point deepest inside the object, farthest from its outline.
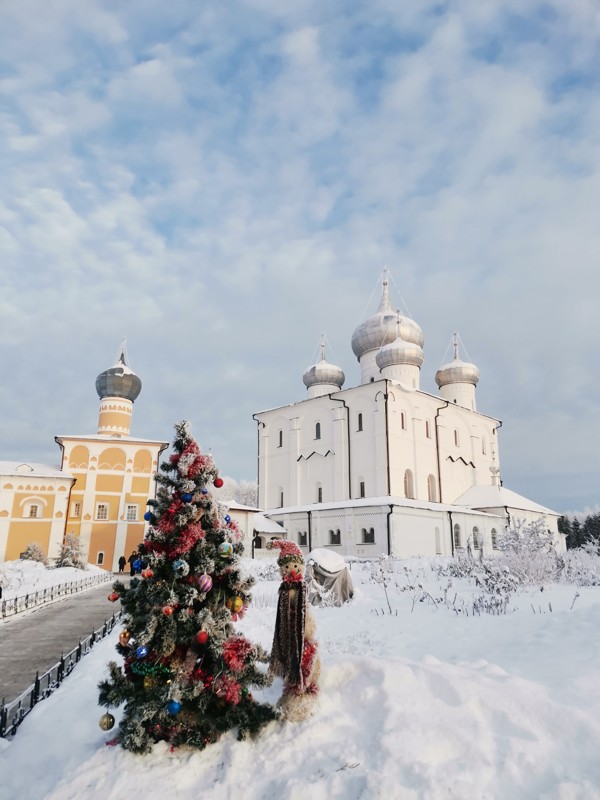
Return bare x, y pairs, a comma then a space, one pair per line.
119, 381
381, 329
457, 371
323, 372
399, 352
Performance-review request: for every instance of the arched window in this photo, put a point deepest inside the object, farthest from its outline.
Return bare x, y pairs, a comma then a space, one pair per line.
409, 485
335, 537
403, 420
100, 558
318, 430
427, 429
476, 538
368, 536
33, 511
302, 538
280, 497
257, 542
360, 423
457, 541
438, 542
319, 494
494, 538
280, 439
483, 448
432, 489
361, 488
456, 438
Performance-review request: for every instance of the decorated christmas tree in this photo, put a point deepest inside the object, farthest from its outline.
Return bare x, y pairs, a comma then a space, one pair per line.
187, 676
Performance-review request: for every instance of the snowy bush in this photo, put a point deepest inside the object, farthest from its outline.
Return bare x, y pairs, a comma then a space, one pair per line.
70, 553
34, 552
527, 549
262, 570
581, 566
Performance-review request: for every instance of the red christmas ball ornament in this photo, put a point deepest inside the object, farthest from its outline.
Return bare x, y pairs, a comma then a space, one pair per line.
202, 637
168, 610
113, 597
147, 573
218, 482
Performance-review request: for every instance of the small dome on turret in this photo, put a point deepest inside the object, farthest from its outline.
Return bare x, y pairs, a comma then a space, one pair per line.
399, 351
381, 329
457, 371
119, 380
323, 373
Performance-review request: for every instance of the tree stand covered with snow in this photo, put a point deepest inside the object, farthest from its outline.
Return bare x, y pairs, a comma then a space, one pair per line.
294, 654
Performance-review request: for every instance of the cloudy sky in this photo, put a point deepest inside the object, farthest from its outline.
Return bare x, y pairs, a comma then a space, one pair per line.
222, 182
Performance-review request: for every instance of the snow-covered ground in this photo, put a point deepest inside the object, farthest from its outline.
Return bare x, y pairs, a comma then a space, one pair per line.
24, 576
423, 703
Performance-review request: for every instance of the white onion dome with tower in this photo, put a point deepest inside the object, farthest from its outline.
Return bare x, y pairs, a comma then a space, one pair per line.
118, 387
380, 330
458, 379
323, 378
401, 360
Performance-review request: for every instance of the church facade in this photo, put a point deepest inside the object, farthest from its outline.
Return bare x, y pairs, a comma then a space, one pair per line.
383, 467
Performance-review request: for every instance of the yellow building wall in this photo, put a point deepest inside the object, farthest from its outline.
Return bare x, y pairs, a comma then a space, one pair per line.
109, 483
142, 486
103, 539
24, 532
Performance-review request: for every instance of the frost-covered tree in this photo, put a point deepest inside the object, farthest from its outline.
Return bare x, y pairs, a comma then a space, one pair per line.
528, 550
187, 675
70, 554
34, 552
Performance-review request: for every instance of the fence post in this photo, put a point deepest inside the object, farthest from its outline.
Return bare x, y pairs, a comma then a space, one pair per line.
3, 718
78, 654
35, 695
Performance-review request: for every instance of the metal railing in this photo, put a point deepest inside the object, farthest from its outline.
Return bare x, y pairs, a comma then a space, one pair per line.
12, 714
41, 597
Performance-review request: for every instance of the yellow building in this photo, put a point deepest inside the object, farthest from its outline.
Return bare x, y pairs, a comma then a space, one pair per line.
34, 500
114, 472
99, 493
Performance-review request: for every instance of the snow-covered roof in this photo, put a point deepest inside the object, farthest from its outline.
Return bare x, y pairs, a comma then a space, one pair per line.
498, 497
31, 469
99, 437
233, 506
376, 501
262, 524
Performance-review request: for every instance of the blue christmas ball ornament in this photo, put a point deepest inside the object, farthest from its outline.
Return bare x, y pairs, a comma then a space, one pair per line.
148, 516
141, 652
227, 518
181, 568
204, 490
187, 497
173, 707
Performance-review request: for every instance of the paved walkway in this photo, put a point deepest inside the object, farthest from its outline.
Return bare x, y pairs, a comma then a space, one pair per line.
35, 641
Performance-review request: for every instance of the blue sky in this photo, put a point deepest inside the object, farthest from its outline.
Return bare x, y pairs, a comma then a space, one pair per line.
220, 183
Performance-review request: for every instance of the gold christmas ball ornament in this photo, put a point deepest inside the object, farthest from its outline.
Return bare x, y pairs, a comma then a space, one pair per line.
234, 604
107, 721
149, 682
124, 638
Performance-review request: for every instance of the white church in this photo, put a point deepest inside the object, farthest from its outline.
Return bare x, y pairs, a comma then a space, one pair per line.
383, 467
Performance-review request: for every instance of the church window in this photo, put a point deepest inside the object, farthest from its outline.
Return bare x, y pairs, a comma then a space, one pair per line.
457, 539
438, 542
132, 513
33, 511
403, 420
361, 489
318, 430
335, 537
456, 438
427, 429
432, 489
100, 558
409, 485
319, 494
494, 539
280, 439
281, 498
368, 536
302, 538
483, 447
76, 510
476, 538
360, 423
102, 511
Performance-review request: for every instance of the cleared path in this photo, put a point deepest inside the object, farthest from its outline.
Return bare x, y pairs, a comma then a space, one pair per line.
34, 642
